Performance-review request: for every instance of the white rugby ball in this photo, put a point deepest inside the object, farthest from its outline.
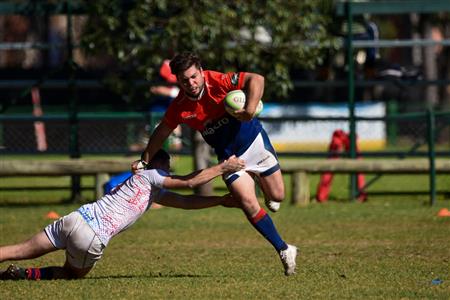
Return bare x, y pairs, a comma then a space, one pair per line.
235, 100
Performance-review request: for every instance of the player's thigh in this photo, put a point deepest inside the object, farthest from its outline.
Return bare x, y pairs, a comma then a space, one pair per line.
40, 244
273, 186
243, 189
36, 246
82, 245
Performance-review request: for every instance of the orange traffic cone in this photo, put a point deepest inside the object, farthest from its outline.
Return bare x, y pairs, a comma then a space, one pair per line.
52, 215
443, 212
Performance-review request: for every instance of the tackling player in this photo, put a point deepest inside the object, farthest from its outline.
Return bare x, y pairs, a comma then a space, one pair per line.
200, 105
85, 232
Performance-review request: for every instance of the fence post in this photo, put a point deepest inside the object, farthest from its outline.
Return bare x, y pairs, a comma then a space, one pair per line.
73, 109
392, 109
431, 153
300, 193
351, 94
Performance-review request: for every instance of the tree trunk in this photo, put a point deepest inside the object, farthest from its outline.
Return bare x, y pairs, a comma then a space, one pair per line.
444, 135
431, 70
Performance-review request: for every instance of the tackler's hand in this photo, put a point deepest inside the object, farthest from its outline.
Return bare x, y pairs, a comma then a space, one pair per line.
138, 165
232, 164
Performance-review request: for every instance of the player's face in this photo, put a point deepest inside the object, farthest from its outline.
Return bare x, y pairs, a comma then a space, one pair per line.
161, 164
166, 165
192, 81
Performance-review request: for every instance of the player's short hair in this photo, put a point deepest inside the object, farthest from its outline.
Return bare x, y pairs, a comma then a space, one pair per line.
183, 61
160, 155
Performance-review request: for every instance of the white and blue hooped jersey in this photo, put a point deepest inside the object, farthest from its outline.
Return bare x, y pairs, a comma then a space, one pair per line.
119, 209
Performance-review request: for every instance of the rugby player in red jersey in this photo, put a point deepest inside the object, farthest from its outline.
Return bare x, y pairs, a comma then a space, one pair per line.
200, 105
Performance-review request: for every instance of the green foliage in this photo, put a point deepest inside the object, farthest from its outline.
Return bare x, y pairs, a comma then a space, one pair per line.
272, 38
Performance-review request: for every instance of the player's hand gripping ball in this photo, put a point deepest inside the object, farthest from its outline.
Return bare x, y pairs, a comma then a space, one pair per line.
235, 100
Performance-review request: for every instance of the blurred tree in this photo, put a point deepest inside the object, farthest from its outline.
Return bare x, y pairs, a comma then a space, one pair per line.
270, 37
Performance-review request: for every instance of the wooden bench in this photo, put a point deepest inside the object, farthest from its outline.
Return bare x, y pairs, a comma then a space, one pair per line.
299, 170
101, 169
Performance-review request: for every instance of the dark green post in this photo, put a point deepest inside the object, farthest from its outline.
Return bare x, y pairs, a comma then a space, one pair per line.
431, 154
74, 148
392, 109
351, 93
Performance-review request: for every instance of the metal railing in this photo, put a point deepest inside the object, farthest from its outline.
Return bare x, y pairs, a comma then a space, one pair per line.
407, 134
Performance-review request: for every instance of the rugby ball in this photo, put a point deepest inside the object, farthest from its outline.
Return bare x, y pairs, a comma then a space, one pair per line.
235, 100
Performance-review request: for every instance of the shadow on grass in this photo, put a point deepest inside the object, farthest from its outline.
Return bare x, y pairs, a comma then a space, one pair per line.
152, 275
37, 203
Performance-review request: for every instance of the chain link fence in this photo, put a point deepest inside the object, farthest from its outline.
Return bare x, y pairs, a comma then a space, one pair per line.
104, 134
128, 133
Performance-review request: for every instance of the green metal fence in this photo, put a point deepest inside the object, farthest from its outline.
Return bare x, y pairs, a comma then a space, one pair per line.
407, 134
422, 134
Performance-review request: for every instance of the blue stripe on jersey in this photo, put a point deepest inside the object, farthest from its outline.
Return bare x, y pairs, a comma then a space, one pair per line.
228, 136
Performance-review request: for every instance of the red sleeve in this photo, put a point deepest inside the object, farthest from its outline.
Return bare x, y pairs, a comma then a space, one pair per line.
171, 117
241, 80
234, 80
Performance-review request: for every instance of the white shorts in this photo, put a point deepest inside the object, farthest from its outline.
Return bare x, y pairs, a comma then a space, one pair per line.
260, 158
71, 232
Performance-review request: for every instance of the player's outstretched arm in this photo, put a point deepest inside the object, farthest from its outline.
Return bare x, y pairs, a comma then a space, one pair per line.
156, 140
200, 177
171, 199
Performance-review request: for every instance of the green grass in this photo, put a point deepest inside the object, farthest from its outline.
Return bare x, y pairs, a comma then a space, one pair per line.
383, 249
387, 248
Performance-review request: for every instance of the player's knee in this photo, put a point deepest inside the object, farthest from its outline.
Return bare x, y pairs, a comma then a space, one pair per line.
71, 272
246, 202
250, 205
277, 195
77, 274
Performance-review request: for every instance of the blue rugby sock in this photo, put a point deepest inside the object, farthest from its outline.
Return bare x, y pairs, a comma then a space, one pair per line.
263, 223
39, 273
47, 273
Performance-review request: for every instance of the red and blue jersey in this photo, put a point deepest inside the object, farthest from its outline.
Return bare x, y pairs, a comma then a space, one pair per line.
221, 131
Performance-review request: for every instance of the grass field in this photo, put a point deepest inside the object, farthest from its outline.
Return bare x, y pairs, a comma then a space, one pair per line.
387, 248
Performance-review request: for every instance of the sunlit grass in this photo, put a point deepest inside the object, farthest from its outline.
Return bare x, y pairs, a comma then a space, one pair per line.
391, 247
388, 249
